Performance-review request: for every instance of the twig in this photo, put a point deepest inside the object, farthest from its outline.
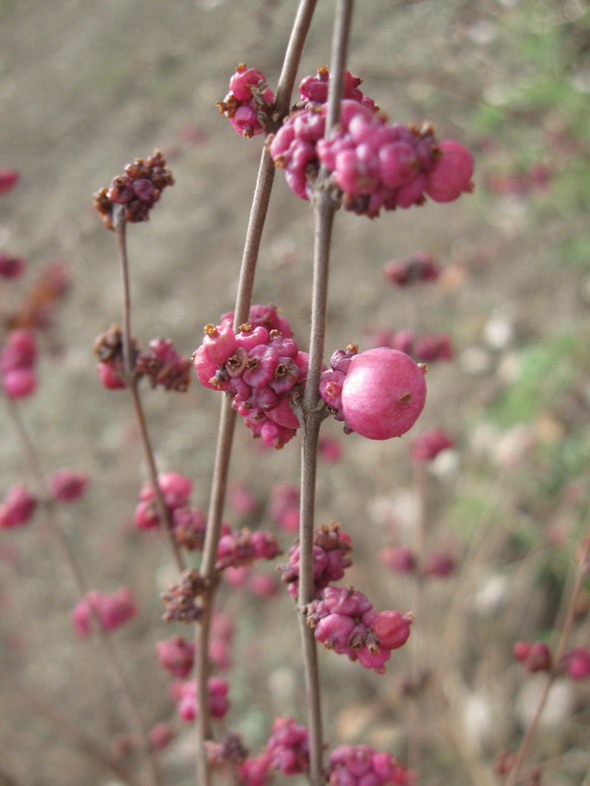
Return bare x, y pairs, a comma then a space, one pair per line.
69, 729
567, 626
227, 418
132, 384
312, 412
55, 531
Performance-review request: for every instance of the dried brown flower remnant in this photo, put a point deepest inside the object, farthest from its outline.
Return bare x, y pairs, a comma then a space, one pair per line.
138, 189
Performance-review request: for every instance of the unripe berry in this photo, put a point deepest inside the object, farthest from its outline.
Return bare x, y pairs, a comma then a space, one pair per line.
383, 393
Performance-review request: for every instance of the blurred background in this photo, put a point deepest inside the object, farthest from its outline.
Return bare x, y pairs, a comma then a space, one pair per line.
87, 87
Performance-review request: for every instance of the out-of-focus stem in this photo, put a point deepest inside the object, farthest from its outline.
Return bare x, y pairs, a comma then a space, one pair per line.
228, 415
55, 531
69, 729
559, 650
132, 384
312, 412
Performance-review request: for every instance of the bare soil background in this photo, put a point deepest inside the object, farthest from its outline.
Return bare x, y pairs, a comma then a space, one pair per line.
87, 87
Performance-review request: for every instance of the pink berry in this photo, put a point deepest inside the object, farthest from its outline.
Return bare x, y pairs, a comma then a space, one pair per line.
108, 377
451, 174
19, 382
67, 485
392, 629
8, 180
383, 393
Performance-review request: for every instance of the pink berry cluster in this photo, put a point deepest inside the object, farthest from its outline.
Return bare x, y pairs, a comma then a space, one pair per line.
17, 507
238, 549
138, 189
11, 267
427, 445
424, 349
161, 364
248, 105
17, 363
8, 179
217, 689
287, 751
536, 656
373, 163
188, 523
258, 368
576, 663
379, 393
111, 610
418, 268
345, 621
176, 655
401, 559
67, 485
361, 765
331, 547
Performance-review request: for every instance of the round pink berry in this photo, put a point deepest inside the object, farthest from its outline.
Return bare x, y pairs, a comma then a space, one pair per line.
383, 393
451, 174
19, 382
392, 629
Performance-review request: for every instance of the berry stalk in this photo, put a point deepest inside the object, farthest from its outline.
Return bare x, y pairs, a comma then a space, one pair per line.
119, 224
256, 222
312, 410
111, 657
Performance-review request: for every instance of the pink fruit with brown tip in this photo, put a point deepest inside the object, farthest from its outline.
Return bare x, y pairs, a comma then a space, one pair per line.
383, 393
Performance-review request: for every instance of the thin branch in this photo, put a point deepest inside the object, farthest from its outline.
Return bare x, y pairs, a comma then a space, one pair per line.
132, 384
312, 411
256, 222
565, 632
69, 729
54, 530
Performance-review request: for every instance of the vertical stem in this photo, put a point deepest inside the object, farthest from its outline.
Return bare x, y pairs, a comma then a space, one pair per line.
312, 411
567, 626
256, 222
132, 384
111, 657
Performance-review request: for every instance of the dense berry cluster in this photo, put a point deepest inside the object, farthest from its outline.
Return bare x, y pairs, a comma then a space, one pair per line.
67, 485
418, 268
373, 163
360, 765
287, 751
424, 349
258, 368
344, 620
11, 267
112, 610
181, 599
176, 655
17, 507
248, 105
138, 189
217, 689
17, 362
331, 548
162, 365
237, 549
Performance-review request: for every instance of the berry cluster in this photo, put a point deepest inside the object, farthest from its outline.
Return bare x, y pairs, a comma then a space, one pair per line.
181, 599
401, 559
11, 267
287, 751
258, 368
424, 349
161, 364
238, 549
138, 189
217, 689
374, 164
357, 765
112, 610
176, 490
576, 663
17, 507
535, 656
331, 547
67, 485
344, 620
248, 105
176, 655
17, 361
418, 268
